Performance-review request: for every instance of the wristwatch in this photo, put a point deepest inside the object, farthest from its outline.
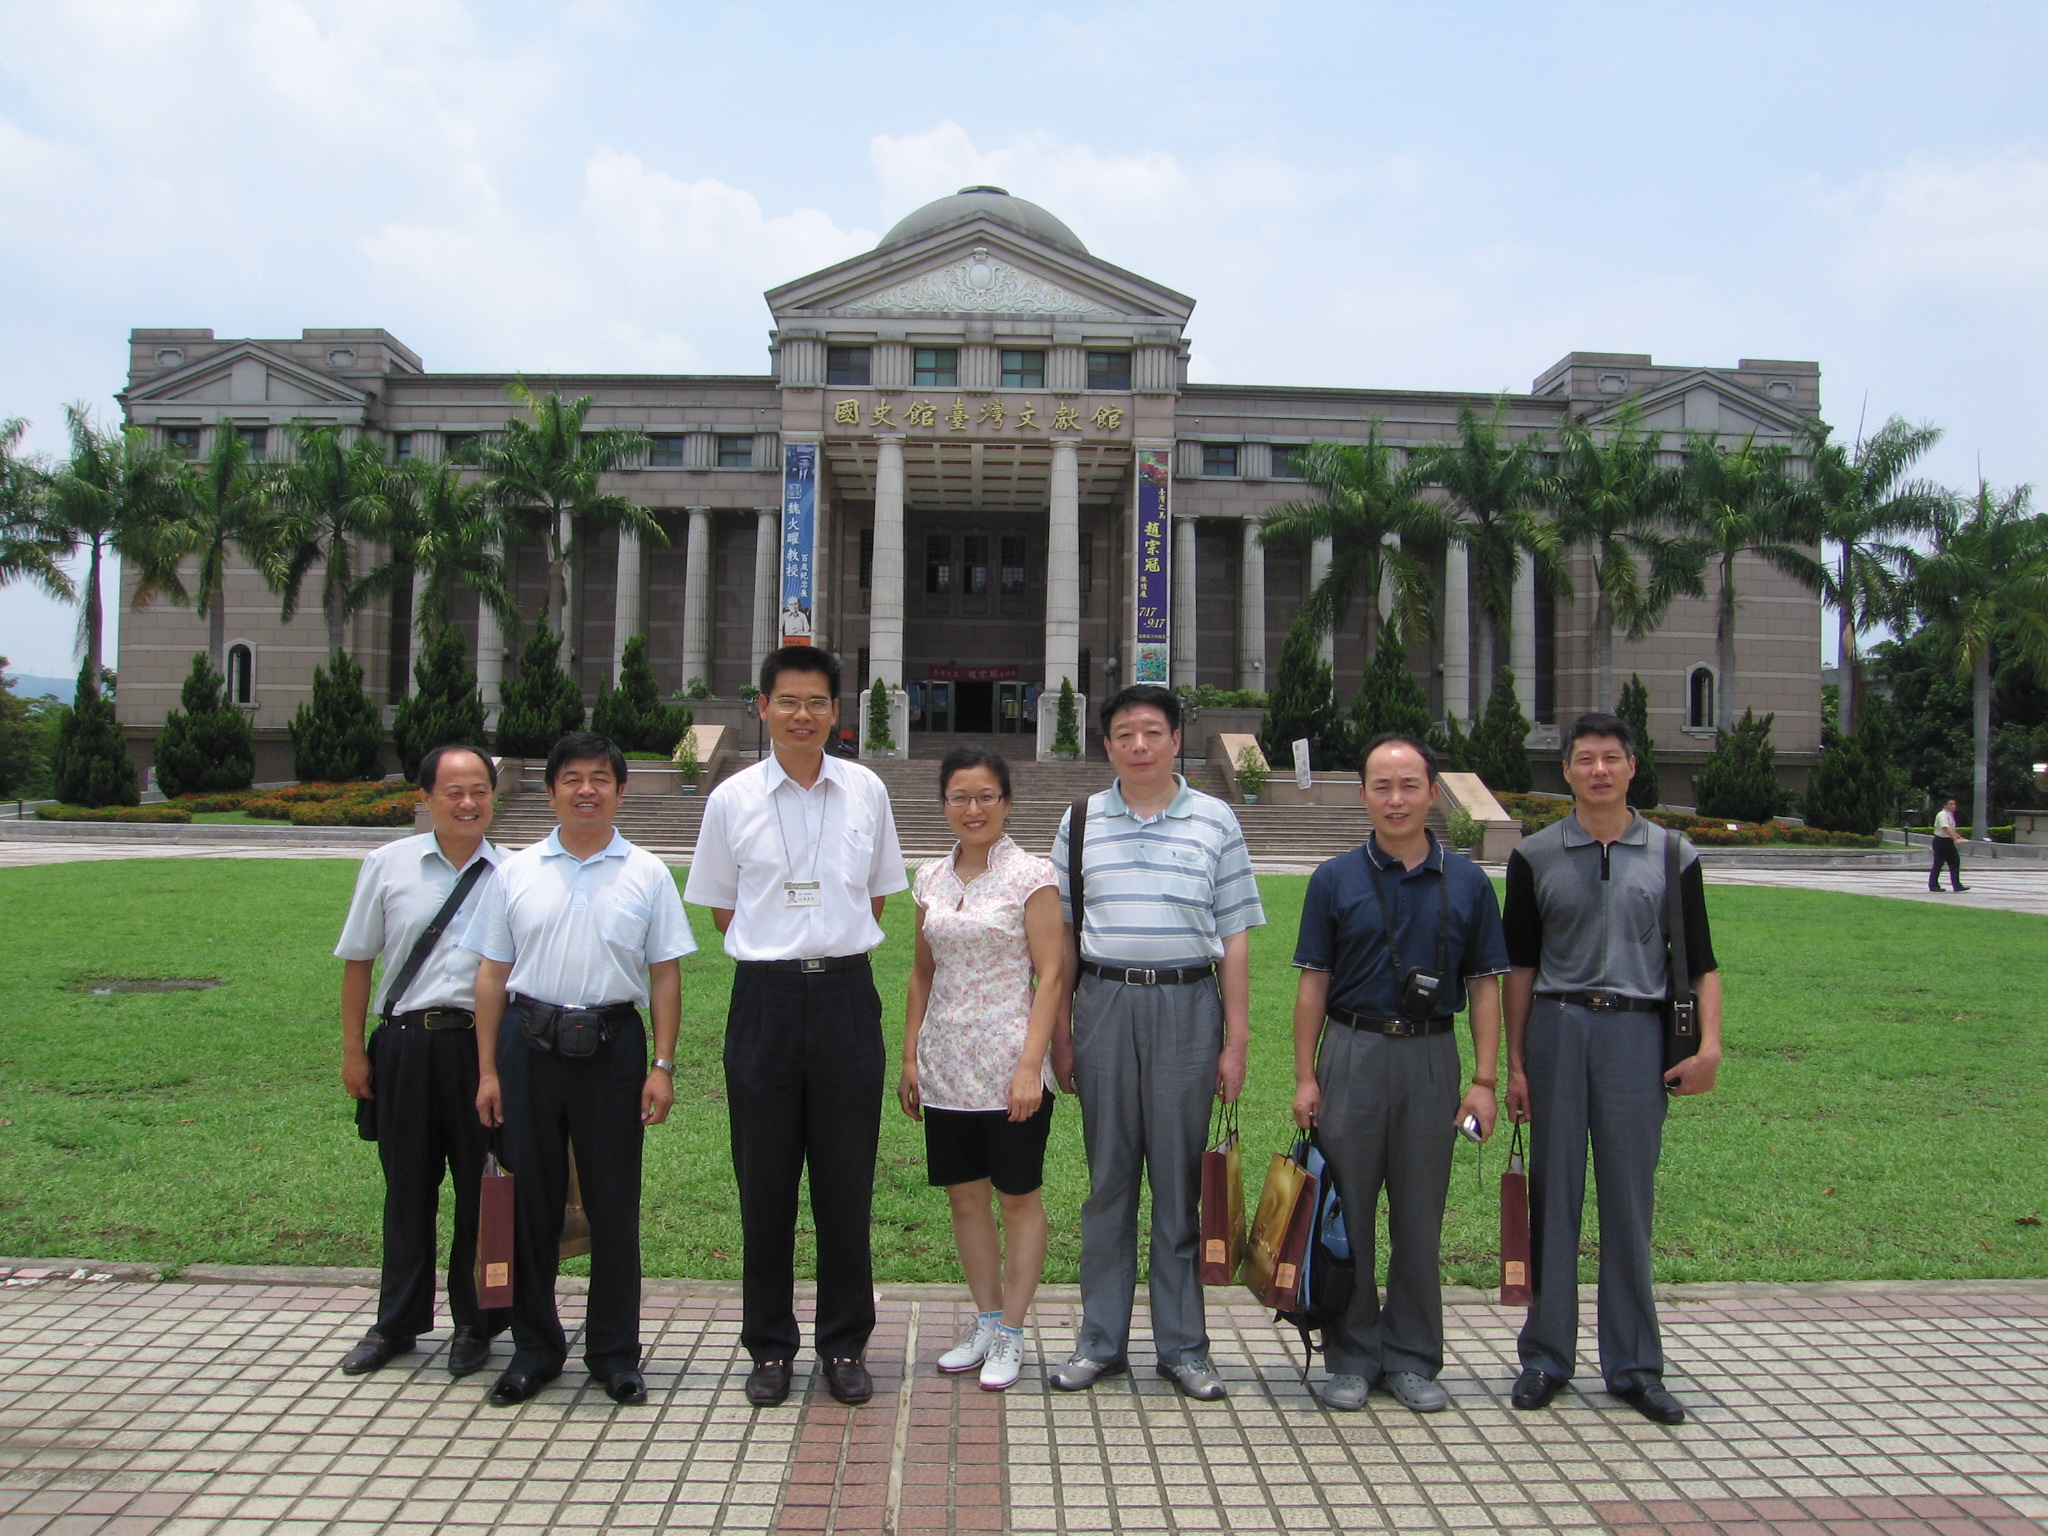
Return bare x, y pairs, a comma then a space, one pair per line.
663, 1064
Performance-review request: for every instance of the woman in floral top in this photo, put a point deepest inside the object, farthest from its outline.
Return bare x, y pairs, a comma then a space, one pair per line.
974, 1051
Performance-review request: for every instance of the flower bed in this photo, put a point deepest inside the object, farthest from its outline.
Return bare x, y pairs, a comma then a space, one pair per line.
1537, 812
176, 814
367, 803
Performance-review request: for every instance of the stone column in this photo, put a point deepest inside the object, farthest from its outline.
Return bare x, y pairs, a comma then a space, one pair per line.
885, 594
1457, 633
629, 610
490, 650
1320, 554
1186, 619
1251, 609
767, 583
1523, 647
697, 597
1063, 571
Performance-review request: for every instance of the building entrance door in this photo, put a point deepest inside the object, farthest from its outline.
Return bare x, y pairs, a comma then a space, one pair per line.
975, 707
937, 714
1010, 707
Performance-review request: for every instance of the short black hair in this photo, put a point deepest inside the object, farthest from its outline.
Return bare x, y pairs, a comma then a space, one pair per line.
1398, 739
580, 746
430, 765
1150, 695
799, 658
1597, 724
962, 758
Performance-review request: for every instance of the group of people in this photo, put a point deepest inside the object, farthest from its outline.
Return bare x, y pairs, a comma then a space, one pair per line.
519, 991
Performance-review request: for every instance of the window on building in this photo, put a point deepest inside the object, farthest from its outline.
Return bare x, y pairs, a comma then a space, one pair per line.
1287, 461
847, 365
665, 452
241, 673
460, 447
1109, 370
1023, 370
1699, 699
1219, 459
1013, 564
182, 441
256, 440
867, 558
401, 447
736, 452
974, 563
936, 367
938, 563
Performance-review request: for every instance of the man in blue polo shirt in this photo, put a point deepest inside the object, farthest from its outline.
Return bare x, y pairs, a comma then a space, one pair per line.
1391, 934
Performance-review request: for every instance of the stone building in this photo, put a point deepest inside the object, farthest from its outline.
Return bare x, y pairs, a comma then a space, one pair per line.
987, 407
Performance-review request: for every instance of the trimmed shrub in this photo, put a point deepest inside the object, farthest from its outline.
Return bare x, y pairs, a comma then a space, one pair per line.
879, 737
542, 702
90, 766
337, 735
1853, 788
154, 813
1634, 707
1303, 703
1066, 725
1499, 752
1739, 779
444, 707
206, 744
1389, 699
632, 714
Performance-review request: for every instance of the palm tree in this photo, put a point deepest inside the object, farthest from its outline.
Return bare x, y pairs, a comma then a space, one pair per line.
1866, 506
1613, 497
116, 495
1986, 576
1370, 508
1746, 501
440, 531
27, 550
326, 499
226, 508
542, 475
1497, 487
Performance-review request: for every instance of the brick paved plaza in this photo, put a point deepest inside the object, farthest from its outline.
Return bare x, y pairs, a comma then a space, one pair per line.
211, 1404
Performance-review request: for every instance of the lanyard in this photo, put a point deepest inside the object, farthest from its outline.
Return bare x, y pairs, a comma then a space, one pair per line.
817, 838
1443, 917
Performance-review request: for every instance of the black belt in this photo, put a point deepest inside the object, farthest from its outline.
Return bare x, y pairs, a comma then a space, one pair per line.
1607, 1002
808, 967
435, 1018
1149, 976
1382, 1026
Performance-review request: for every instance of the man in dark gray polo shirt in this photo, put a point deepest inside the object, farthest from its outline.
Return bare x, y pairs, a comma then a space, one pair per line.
1586, 937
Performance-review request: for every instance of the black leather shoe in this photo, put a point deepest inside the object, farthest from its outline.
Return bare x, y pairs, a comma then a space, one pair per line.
626, 1388
1535, 1389
1655, 1404
848, 1381
516, 1387
373, 1354
768, 1383
469, 1352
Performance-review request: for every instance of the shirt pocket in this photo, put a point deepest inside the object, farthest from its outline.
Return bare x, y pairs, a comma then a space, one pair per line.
1646, 914
625, 924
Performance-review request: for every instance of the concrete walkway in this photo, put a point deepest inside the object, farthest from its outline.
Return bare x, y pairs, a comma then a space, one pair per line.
211, 1404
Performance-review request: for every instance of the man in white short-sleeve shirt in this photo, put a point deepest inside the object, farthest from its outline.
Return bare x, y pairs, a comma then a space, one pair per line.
580, 932
1948, 850
796, 857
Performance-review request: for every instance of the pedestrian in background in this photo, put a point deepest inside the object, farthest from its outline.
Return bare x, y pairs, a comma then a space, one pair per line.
1948, 850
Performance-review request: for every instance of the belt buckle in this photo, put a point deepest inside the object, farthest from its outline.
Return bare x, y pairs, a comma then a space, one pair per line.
1603, 1002
1136, 976
811, 965
1401, 1027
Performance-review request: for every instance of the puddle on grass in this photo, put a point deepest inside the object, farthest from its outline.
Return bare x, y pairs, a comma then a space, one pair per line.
109, 986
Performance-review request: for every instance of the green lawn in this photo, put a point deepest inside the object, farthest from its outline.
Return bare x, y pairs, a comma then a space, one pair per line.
1881, 1112
234, 819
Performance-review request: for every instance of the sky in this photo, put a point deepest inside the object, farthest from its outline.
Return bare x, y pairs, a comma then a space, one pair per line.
1444, 196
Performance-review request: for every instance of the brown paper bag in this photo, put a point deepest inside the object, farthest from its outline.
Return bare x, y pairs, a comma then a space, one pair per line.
1516, 1281
1222, 1201
575, 1224
494, 1236
1279, 1239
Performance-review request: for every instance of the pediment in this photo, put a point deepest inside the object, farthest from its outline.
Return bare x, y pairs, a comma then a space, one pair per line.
1709, 402
246, 374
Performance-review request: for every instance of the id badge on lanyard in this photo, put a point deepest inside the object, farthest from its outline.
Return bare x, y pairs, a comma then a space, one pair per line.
802, 893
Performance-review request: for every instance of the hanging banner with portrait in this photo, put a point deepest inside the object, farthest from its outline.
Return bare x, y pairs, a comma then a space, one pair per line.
1151, 647
799, 540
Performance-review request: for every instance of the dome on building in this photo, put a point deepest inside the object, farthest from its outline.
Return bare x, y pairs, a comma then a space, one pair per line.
985, 202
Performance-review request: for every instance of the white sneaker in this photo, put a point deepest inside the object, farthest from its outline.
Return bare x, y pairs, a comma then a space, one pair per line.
1004, 1363
972, 1349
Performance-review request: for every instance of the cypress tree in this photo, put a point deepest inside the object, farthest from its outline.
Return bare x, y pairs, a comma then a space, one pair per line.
1739, 779
1499, 742
1634, 707
337, 737
206, 745
1389, 699
1303, 703
1853, 788
1453, 746
91, 765
542, 702
444, 707
632, 714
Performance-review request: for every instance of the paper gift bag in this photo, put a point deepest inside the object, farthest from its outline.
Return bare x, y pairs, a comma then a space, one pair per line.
575, 1224
1279, 1238
1222, 1200
494, 1235
1516, 1282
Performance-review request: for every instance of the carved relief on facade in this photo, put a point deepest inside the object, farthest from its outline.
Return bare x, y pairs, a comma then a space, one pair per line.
980, 285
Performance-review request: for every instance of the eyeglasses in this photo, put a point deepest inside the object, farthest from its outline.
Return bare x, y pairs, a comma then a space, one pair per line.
986, 802
788, 704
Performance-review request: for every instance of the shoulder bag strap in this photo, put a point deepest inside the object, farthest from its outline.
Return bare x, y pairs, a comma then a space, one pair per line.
423, 946
1674, 923
1077, 837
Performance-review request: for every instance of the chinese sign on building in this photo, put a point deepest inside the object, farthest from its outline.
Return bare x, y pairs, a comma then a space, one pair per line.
799, 539
1000, 414
1152, 647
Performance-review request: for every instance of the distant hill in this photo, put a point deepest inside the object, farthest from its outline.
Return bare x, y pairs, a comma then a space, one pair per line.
27, 685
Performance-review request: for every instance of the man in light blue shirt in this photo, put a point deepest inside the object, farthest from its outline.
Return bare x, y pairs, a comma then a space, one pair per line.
580, 932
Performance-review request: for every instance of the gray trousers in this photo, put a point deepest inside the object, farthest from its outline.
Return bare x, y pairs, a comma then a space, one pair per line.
1598, 1076
1388, 1105
1145, 1068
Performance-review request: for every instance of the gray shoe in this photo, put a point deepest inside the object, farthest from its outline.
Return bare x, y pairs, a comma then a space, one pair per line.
1345, 1394
1416, 1393
1081, 1372
1195, 1378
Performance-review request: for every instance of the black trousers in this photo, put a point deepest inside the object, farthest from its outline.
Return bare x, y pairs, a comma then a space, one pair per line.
1946, 852
803, 1084
592, 1104
427, 1129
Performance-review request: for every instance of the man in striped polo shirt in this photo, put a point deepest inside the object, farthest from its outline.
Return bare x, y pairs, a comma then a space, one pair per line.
1160, 1026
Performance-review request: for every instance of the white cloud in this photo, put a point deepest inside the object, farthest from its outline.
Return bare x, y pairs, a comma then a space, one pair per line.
1936, 220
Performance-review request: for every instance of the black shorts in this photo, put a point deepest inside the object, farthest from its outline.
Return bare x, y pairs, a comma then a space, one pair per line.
963, 1145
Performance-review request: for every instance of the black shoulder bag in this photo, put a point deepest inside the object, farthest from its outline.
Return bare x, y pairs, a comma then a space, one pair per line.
423, 946
1681, 1010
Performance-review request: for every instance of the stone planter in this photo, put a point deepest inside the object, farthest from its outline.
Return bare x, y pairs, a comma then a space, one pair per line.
1067, 755
689, 786
652, 779
1251, 799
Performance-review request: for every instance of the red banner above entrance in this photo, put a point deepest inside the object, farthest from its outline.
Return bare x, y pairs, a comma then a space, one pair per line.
972, 674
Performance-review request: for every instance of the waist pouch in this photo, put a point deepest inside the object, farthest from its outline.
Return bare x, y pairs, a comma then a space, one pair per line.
571, 1032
